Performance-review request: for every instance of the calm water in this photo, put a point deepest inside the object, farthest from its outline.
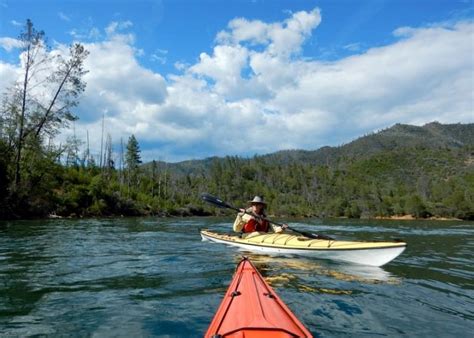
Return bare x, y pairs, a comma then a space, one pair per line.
155, 277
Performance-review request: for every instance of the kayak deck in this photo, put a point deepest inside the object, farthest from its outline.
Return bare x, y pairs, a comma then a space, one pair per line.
301, 242
367, 253
251, 308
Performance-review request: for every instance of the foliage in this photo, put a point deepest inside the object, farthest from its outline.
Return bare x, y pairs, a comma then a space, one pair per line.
417, 181
39, 104
132, 156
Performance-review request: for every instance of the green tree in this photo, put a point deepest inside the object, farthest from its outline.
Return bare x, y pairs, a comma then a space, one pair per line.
414, 205
41, 102
132, 160
132, 156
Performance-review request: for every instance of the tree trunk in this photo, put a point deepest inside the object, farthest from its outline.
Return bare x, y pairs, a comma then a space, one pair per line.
23, 110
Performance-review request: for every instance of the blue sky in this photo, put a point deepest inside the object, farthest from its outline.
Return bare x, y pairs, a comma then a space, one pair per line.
193, 79
183, 29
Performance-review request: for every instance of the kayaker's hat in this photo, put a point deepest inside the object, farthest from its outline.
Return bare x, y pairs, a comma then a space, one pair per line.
258, 200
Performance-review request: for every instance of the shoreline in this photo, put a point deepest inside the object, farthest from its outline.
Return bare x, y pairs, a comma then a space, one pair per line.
413, 218
198, 212
166, 215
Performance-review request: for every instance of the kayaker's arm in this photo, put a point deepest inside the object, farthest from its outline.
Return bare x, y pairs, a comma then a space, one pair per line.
241, 219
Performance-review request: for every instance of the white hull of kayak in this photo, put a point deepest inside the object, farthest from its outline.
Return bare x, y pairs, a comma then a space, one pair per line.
372, 256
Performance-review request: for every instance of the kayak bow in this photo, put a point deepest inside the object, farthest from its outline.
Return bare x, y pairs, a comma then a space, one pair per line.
251, 308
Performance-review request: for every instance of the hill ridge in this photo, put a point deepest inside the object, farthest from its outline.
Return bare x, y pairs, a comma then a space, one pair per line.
431, 135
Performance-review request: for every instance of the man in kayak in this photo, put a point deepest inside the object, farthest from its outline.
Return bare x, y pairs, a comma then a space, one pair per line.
253, 219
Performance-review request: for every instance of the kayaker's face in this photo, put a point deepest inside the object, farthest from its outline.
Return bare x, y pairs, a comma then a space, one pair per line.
258, 208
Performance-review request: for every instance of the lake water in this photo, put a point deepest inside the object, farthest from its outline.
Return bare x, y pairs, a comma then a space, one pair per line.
146, 277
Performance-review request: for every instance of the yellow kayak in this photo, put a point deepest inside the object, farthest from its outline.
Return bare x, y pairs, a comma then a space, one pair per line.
366, 253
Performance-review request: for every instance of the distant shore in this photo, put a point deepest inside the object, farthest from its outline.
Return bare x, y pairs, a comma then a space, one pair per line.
166, 215
413, 218
199, 212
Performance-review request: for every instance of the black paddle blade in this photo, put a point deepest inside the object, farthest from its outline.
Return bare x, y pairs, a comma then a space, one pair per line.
319, 236
215, 201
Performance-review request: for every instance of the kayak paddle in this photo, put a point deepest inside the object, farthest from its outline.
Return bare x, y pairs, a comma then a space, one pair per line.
221, 204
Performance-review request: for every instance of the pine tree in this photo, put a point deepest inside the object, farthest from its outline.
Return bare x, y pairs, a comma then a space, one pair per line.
132, 160
132, 156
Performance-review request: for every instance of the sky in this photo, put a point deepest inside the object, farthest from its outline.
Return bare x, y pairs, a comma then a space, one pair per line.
194, 79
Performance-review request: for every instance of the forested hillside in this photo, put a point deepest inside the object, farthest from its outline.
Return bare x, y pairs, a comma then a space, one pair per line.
404, 170
421, 171
433, 136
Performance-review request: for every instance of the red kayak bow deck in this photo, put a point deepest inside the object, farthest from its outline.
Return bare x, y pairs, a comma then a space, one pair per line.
251, 308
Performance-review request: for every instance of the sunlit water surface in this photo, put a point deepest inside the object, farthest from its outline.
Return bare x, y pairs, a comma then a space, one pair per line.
147, 277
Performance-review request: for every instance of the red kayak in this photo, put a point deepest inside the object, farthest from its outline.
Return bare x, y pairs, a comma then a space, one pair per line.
251, 308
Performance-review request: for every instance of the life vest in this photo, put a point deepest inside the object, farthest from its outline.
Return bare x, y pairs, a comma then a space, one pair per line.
253, 225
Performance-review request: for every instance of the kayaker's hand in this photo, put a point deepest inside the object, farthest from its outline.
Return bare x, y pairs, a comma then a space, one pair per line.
242, 210
280, 228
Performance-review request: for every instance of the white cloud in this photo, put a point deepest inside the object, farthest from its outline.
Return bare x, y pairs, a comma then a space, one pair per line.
353, 47
116, 26
224, 67
158, 59
181, 66
288, 38
9, 43
86, 34
283, 38
64, 17
241, 29
16, 23
159, 56
94, 33
8, 75
116, 82
254, 93
161, 51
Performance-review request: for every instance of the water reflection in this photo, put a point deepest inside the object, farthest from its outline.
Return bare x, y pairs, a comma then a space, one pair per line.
269, 265
295, 273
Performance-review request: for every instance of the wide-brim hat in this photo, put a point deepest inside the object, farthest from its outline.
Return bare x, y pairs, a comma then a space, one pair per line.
258, 200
